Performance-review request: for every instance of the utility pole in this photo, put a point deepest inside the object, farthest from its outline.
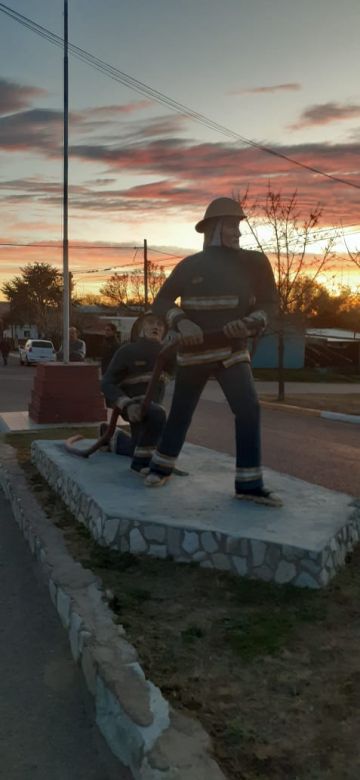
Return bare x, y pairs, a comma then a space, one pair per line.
66, 279
146, 291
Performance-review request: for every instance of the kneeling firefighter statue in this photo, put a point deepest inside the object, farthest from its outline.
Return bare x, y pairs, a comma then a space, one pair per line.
134, 386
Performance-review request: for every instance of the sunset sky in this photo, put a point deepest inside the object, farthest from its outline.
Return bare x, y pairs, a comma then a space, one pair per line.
280, 73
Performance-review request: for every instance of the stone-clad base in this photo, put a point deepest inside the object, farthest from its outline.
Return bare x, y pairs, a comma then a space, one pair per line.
196, 518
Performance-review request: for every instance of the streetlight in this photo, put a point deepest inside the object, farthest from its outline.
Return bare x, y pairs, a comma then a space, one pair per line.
66, 280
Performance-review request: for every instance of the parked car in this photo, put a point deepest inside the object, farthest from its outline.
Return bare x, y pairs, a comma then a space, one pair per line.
37, 351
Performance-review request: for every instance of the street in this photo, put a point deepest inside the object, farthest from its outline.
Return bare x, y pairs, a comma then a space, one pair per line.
320, 451
15, 385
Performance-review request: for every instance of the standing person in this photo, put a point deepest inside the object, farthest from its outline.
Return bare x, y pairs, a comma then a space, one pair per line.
77, 348
124, 386
109, 346
226, 296
5, 349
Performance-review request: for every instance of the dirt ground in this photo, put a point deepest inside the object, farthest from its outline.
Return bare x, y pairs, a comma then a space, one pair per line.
347, 403
272, 672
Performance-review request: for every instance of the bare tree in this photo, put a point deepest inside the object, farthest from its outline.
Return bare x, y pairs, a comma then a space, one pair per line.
136, 288
156, 279
89, 299
289, 250
116, 289
128, 289
354, 255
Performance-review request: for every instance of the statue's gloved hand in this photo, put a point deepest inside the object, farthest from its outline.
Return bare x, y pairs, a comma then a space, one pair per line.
256, 322
236, 329
122, 402
191, 334
171, 338
134, 412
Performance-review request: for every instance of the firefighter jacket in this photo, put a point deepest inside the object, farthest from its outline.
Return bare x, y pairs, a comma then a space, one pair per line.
130, 371
215, 287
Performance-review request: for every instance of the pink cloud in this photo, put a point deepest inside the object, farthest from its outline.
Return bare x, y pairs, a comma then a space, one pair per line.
179, 167
15, 97
325, 113
37, 130
184, 173
288, 87
126, 108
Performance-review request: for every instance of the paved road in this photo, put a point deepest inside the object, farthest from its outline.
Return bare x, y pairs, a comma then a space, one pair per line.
320, 451
47, 723
15, 385
16, 382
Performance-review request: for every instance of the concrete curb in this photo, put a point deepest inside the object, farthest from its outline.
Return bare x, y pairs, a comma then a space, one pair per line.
140, 727
338, 416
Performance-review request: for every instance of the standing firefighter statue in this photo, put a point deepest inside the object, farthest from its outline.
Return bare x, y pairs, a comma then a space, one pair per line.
227, 295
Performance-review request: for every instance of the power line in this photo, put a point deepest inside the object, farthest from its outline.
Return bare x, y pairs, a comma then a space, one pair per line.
116, 268
162, 252
159, 97
324, 233
72, 246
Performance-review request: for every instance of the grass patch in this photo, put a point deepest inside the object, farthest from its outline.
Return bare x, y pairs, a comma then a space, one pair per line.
271, 671
306, 375
22, 441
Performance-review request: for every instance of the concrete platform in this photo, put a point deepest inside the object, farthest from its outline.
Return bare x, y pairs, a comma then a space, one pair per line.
196, 518
20, 422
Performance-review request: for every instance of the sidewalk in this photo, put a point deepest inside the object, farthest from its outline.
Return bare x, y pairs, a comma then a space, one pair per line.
212, 391
267, 392
47, 722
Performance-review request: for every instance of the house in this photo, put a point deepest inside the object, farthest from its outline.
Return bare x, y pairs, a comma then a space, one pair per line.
333, 348
266, 354
93, 321
17, 333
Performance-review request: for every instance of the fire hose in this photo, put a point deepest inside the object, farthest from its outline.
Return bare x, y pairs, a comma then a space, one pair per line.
161, 359
163, 356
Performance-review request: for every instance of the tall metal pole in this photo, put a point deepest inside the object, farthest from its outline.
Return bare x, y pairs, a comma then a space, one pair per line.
66, 280
146, 291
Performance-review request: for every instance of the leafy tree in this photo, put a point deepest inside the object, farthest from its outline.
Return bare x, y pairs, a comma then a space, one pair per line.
35, 295
324, 309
